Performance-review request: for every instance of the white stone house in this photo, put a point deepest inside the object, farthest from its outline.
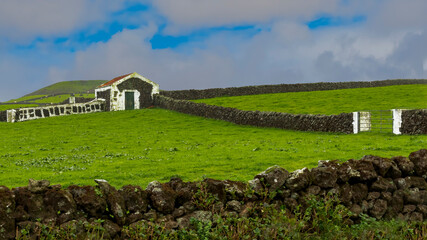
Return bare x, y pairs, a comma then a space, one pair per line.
127, 92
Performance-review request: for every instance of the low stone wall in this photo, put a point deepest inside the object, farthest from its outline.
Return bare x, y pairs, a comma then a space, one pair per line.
3, 116
414, 121
24, 114
379, 187
281, 88
322, 123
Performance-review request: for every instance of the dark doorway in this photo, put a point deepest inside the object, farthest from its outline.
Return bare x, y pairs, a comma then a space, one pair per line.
129, 101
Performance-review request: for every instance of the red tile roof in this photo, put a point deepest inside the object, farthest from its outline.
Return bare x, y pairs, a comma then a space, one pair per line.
113, 80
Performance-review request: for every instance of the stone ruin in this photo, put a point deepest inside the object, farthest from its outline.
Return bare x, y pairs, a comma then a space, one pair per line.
382, 188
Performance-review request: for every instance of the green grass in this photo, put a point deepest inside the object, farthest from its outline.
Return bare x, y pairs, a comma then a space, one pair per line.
68, 87
61, 98
27, 98
14, 106
139, 146
330, 102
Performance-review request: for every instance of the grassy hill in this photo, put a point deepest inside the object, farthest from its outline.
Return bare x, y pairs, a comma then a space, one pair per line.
81, 86
330, 102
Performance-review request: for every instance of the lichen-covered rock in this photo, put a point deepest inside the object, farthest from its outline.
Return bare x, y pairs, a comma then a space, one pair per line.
30, 204
359, 192
115, 201
419, 158
324, 177
136, 202
216, 188
235, 190
384, 166
234, 205
411, 182
404, 164
256, 186
298, 179
366, 169
38, 186
111, 229
162, 197
7, 210
202, 216
415, 196
60, 205
274, 177
383, 185
378, 209
89, 199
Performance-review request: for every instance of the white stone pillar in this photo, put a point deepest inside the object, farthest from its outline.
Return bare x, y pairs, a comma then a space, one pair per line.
397, 121
355, 122
11, 114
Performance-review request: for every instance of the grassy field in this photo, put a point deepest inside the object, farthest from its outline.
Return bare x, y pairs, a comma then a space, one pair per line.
27, 98
139, 146
330, 102
14, 106
61, 98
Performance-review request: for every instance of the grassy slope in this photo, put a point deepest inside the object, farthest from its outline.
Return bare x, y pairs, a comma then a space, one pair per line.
15, 106
136, 147
330, 102
68, 87
27, 98
61, 98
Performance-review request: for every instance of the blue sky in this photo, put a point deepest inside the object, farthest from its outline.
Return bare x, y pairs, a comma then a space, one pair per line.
200, 44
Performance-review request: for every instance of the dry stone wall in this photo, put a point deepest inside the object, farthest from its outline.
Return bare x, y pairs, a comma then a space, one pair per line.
281, 88
3, 116
382, 188
322, 123
414, 121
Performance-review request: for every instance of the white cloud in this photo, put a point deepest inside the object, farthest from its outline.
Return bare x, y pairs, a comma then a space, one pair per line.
22, 19
185, 15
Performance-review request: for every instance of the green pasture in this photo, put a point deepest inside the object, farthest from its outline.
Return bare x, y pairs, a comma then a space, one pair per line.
26, 98
330, 102
15, 106
61, 98
139, 146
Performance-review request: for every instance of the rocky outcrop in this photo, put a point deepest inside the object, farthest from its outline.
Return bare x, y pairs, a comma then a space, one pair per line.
379, 187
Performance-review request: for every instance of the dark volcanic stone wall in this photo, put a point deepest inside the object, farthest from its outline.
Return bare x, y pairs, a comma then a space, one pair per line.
280, 88
105, 95
414, 122
322, 123
144, 88
3, 116
381, 188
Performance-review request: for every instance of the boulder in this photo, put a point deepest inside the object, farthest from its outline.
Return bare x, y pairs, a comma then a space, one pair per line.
298, 179
30, 205
38, 186
136, 202
383, 185
273, 178
419, 158
324, 177
378, 209
89, 199
384, 166
60, 205
216, 188
404, 164
115, 201
162, 197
